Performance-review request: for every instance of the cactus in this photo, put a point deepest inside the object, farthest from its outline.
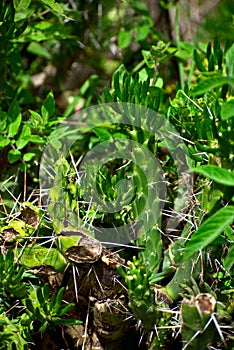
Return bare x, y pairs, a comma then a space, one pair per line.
142, 301
198, 328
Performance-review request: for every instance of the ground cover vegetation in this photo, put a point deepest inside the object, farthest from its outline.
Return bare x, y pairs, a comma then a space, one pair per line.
61, 286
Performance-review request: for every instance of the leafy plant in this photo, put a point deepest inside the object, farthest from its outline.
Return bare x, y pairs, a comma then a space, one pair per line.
179, 284
48, 310
11, 334
11, 284
180, 263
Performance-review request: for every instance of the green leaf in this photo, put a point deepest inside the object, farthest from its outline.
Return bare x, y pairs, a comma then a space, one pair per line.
23, 138
211, 63
36, 117
46, 291
39, 50
103, 133
3, 120
38, 140
20, 228
54, 6
29, 156
59, 299
65, 242
167, 57
29, 305
18, 32
68, 322
198, 61
40, 296
209, 230
43, 328
211, 83
148, 58
229, 61
35, 255
228, 261
227, 109
15, 118
64, 310
21, 4
48, 106
13, 156
4, 142
52, 302
142, 32
219, 175
124, 38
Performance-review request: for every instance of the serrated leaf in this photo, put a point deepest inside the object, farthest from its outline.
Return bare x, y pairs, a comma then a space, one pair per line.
208, 84
219, 175
209, 230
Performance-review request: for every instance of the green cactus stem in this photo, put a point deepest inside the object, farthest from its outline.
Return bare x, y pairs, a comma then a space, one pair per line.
198, 328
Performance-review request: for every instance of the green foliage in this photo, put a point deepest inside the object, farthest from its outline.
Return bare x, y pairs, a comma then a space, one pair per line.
35, 255
142, 300
218, 23
209, 138
48, 310
137, 29
134, 90
198, 329
11, 334
170, 267
25, 127
38, 306
11, 276
210, 230
219, 175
